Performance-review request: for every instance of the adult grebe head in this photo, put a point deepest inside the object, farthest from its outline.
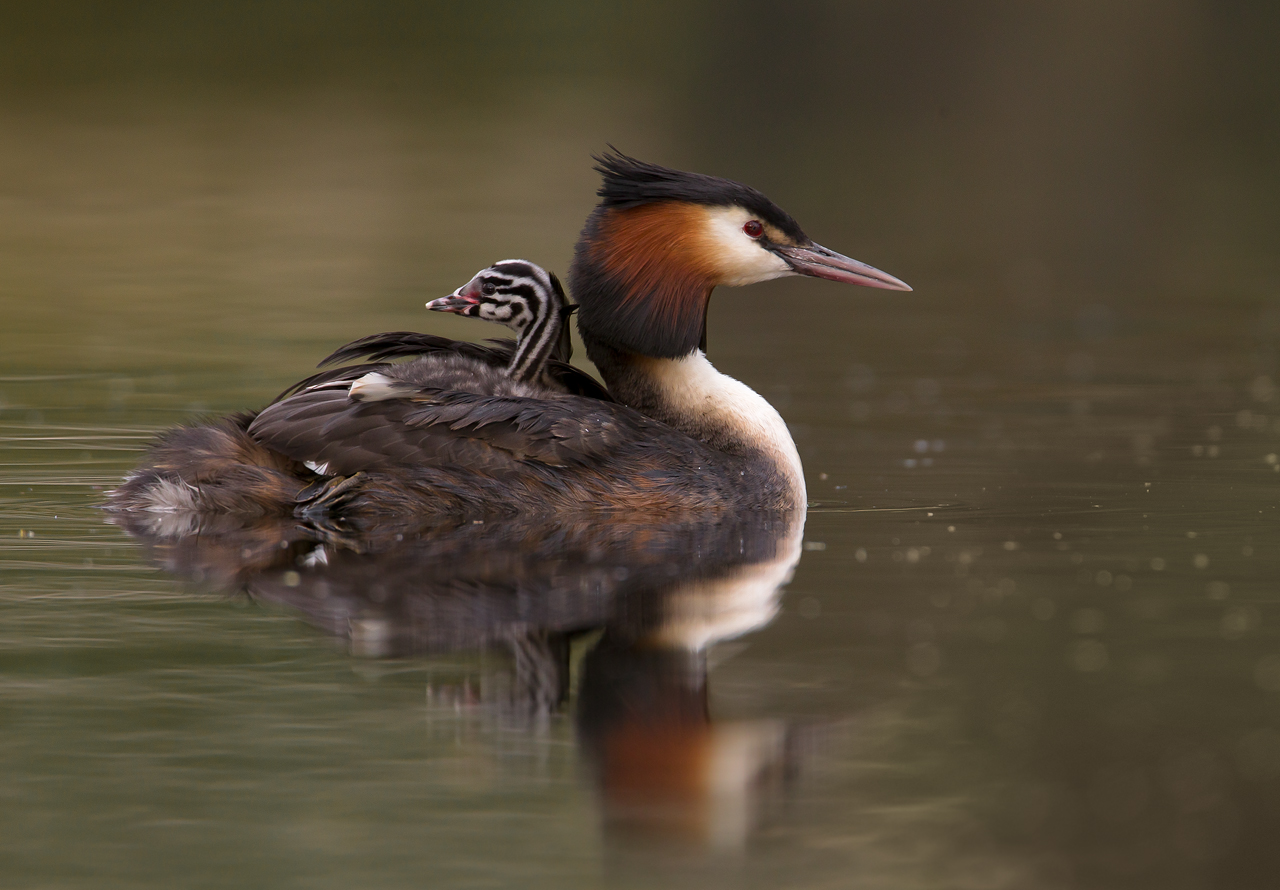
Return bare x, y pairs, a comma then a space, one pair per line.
660, 240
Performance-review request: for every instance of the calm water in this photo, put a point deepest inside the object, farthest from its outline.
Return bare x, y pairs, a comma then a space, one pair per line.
1033, 634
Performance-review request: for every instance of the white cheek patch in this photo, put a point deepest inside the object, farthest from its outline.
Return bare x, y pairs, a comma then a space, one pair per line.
740, 258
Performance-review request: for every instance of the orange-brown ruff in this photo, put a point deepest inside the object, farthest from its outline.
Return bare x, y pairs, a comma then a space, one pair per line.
449, 433
664, 265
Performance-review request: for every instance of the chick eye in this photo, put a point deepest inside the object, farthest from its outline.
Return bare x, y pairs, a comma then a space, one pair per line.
488, 289
752, 228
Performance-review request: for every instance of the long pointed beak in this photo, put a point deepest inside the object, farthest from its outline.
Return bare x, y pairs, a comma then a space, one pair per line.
456, 302
817, 261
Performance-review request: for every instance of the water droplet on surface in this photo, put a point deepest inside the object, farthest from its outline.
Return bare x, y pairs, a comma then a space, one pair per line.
1239, 621
1088, 621
1089, 656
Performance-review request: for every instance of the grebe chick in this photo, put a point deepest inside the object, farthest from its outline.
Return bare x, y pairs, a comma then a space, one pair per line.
526, 298
435, 436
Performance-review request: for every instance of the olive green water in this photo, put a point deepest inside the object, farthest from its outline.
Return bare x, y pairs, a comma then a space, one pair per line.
1033, 638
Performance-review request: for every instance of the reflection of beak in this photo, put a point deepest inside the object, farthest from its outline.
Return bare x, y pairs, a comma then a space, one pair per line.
457, 302
817, 261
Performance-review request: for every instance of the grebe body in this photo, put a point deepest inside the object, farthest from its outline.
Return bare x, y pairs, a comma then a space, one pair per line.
451, 432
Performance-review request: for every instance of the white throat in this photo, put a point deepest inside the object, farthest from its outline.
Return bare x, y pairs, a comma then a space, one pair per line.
710, 399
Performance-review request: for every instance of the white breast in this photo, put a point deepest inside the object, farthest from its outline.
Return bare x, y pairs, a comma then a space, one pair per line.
693, 386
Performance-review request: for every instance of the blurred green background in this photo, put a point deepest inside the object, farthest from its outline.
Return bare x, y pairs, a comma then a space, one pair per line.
168, 173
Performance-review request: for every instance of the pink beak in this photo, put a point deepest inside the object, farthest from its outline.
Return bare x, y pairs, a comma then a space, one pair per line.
818, 262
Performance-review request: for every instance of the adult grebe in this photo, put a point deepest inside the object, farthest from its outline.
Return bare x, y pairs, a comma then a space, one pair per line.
445, 440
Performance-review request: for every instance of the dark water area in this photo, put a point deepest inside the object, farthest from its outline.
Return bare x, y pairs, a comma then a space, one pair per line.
1032, 638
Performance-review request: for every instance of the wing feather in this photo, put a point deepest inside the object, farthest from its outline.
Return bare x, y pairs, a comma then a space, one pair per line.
408, 344
440, 429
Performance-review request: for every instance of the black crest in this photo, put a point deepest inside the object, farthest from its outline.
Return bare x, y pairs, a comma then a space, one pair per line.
630, 183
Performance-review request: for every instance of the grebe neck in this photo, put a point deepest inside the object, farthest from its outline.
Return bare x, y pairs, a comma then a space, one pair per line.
689, 394
536, 344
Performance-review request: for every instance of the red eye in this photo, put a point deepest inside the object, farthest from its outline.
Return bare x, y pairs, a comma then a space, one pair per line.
753, 228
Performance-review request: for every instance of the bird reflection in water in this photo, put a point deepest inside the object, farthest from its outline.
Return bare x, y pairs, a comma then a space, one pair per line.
646, 600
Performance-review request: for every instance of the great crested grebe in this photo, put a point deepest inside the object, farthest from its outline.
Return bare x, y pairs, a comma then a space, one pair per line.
438, 436
526, 298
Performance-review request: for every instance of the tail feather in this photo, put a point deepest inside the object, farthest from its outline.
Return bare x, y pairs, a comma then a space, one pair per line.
215, 467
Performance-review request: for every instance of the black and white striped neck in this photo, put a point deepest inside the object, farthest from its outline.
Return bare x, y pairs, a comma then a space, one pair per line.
537, 342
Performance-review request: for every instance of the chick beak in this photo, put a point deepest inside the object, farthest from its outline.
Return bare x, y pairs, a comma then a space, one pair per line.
818, 262
460, 302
